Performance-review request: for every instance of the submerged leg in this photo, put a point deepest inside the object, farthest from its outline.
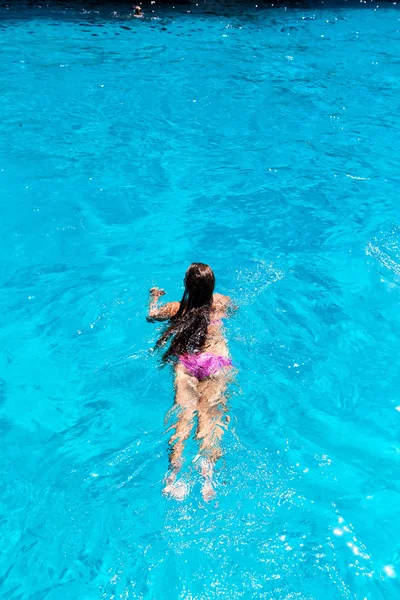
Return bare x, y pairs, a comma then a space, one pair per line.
186, 401
212, 422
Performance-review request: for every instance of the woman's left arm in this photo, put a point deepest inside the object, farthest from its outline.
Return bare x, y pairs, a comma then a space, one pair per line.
160, 313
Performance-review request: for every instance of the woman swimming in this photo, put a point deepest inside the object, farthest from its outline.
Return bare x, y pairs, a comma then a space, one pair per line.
198, 350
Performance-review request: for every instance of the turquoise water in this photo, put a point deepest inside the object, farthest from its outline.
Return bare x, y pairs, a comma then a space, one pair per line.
264, 141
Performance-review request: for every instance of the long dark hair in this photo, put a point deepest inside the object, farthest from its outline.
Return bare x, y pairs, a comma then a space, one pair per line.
187, 330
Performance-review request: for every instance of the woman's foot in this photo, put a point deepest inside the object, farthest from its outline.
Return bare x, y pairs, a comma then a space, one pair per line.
207, 489
175, 489
169, 480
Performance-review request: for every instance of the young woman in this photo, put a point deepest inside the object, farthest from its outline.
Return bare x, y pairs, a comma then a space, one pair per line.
197, 347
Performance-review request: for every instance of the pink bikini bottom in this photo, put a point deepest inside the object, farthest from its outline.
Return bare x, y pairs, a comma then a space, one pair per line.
203, 365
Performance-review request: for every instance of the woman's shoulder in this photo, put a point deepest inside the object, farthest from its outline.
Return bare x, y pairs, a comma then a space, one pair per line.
221, 303
221, 299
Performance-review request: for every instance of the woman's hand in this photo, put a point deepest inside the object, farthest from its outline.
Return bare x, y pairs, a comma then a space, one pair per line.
156, 292
160, 313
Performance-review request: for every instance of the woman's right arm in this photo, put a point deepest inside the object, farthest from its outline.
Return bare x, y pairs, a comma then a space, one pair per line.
224, 304
160, 313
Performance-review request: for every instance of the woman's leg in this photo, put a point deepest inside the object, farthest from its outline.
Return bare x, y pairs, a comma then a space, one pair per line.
212, 422
186, 402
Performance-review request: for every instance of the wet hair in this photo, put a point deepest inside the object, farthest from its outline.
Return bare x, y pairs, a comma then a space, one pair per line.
187, 330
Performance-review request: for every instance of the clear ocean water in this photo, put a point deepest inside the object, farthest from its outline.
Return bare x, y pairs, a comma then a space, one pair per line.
263, 140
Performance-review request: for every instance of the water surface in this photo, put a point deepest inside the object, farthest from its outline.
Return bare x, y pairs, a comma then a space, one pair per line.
265, 142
